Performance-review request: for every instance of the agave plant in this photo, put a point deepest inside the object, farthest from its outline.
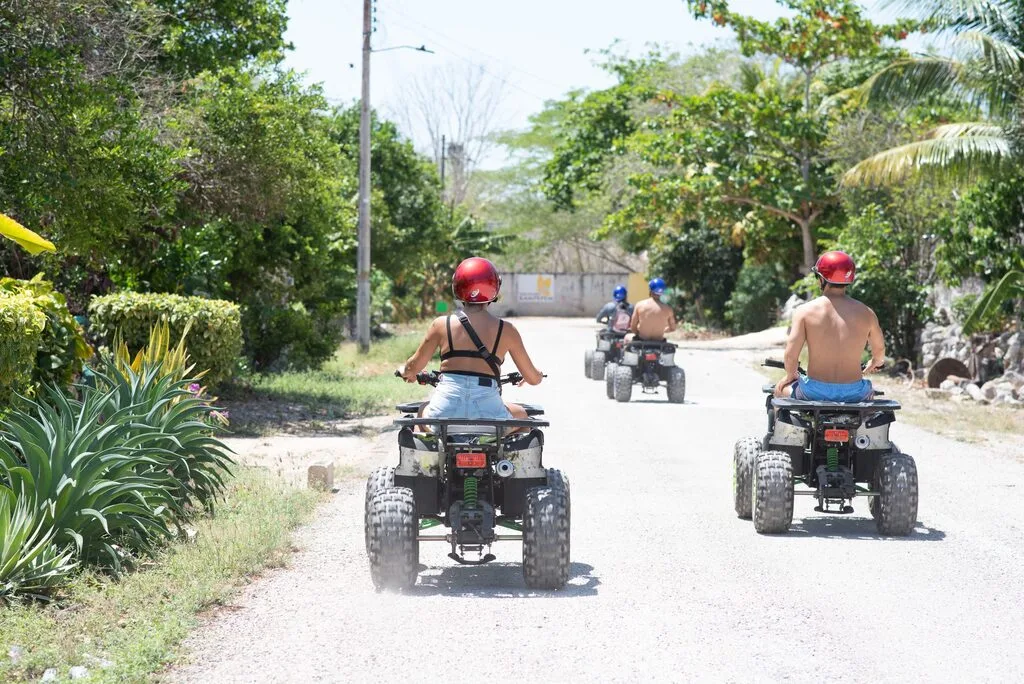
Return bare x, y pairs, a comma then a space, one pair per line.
97, 477
156, 354
31, 564
167, 409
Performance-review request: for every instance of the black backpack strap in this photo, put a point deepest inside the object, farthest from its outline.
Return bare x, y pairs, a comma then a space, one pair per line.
485, 353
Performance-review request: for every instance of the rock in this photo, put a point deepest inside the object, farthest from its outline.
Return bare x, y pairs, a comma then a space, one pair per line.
791, 304
991, 388
15, 653
321, 475
935, 393
1014, 378
947, 385
98, 662
50, 675
79, 672
974, 392
958, 380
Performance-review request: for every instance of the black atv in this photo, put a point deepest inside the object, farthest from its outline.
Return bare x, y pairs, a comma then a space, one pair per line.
648, 364
609, 349
839, 451
472, 477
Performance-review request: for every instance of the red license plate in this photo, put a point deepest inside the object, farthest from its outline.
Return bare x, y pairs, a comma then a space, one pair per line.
837, 435
651, 357
470, 460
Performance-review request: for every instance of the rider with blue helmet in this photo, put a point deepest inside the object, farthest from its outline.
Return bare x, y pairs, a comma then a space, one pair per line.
617, 312
652, 319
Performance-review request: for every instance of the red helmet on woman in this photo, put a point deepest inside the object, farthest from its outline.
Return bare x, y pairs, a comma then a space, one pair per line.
835, 268
476, 281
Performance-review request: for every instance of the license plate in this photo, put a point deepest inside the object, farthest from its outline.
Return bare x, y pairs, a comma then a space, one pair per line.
837, 435
651, 357
470, 460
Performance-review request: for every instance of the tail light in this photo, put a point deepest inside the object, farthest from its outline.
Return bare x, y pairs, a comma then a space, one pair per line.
470, 460
837, 436
651, 357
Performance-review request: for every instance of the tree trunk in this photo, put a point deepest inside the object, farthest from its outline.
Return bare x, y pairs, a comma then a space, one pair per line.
807, 237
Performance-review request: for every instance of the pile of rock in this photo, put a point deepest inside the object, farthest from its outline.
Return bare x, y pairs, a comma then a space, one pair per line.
1007, 390
942, 341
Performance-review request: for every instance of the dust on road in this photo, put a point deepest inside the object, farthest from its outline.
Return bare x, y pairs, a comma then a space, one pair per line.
666, 583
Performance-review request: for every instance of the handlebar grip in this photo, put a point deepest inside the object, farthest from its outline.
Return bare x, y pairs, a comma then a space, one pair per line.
773, 363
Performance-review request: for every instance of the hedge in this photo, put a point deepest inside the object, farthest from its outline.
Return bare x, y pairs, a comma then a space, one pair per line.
21, 334
62, 349
214, 340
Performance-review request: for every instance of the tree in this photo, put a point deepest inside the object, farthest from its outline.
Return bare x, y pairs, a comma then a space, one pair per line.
821, 33
461, 104
986, 73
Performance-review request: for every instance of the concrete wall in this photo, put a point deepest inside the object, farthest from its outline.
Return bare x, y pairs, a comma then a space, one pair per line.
562, 294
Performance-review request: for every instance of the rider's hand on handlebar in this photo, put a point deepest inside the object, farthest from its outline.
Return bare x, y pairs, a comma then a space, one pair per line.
874, 365
403, 372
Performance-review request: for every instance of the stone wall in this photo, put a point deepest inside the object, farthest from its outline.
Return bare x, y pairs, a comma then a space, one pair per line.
941, 341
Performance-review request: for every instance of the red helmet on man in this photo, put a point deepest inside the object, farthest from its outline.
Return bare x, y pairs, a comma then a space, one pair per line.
476, 281
835, 268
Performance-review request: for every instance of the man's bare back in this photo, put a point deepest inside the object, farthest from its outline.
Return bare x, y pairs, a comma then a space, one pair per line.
652, 319
836, 329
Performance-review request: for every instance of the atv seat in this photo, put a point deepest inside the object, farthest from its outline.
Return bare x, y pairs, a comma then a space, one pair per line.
853, 406
413, 407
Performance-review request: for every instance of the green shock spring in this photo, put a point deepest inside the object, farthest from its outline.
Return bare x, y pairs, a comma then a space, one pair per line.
832, 455
469, 492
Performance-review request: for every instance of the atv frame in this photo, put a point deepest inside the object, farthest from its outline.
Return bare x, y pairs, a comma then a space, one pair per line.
608, 350
648, 364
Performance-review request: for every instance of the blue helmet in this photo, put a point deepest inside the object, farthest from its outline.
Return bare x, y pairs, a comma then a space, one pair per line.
619, 293
657, 286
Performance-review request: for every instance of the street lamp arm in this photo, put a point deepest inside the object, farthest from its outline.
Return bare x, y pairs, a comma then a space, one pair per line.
421, 48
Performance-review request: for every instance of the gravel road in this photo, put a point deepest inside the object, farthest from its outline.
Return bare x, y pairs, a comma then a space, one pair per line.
666, 583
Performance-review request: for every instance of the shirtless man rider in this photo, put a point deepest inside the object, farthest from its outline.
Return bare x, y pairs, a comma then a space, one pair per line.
836, 329
651, 318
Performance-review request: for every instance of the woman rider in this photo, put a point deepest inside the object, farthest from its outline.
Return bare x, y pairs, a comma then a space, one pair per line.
470, 368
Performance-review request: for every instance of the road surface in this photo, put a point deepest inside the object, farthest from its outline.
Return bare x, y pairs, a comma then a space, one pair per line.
666, 583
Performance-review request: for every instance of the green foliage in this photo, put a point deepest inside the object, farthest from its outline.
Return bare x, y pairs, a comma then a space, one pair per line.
215, 333
992, 320
21, 334
63, 348
760, 291
1009, 288
702, 266
31, 565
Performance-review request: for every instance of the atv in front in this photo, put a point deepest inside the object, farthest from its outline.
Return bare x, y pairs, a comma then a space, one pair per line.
483, 481
837, 451
648, 364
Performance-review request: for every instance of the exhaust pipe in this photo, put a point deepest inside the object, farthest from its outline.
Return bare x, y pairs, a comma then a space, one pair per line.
862, 441
504, 468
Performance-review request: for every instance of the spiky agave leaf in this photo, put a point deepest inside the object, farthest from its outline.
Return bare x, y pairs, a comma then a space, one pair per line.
31, 565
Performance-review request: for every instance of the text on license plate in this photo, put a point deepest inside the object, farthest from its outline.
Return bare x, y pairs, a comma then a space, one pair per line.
470, 460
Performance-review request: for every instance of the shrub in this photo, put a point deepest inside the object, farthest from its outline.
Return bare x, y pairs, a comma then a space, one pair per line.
30, 563
214, 336
62, 349
289, 337
760, 291
21, 335
702, 266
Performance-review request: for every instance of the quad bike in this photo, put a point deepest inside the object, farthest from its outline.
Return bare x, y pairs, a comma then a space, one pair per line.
471, 476
839, 451
649, 364
609, 349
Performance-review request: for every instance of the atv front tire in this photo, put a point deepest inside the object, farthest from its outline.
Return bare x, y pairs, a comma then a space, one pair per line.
597, 365
676, 385
393, 548
743, 458
381, 478
609, 379
546, 534
772, 492
896, 480
588, 361
623, 384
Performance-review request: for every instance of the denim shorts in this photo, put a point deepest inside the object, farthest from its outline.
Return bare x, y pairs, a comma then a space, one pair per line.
814, 390
462, 396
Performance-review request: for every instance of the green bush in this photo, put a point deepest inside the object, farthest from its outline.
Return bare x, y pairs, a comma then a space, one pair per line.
62, 349
996, 319
21, 335
214, 340
760, 291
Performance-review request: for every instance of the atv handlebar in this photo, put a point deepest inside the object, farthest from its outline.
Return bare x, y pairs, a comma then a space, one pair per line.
433, 377
774, 363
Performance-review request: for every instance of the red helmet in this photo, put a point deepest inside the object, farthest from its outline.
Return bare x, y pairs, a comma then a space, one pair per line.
476, 281
836, 268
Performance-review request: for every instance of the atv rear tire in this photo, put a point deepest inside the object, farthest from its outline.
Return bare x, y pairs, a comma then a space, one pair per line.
381, 478
546, 534
393, 548
588, 361
597, 365
676, 385
609, 379
772, 492
623, 384
896, 480
743, 458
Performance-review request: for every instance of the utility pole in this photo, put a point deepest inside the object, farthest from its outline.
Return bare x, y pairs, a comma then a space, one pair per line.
363, 249
442, 168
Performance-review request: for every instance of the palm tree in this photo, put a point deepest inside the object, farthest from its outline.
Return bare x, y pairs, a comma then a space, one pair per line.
987, 72
28, 240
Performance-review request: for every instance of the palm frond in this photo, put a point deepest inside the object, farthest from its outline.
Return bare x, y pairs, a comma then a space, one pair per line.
965, 157
907, 81
967, 129
997, 17
1009, 286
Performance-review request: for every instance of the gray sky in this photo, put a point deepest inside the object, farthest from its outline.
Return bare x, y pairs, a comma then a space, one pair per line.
536, 47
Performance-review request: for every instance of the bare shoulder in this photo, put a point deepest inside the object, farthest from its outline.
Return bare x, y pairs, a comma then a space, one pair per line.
511, 332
